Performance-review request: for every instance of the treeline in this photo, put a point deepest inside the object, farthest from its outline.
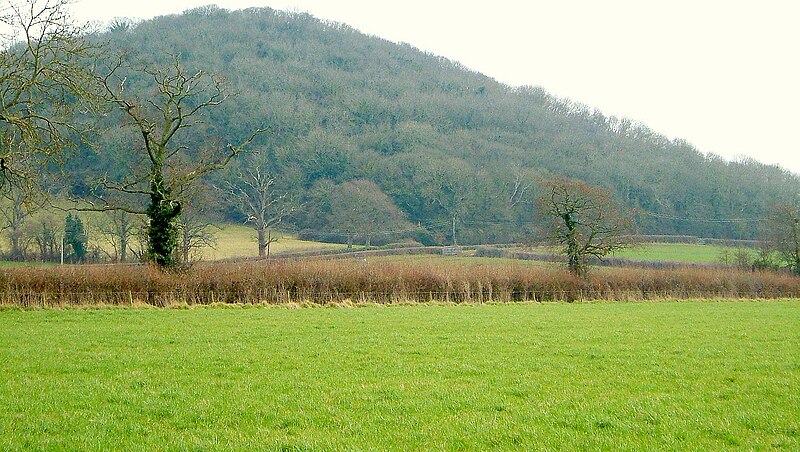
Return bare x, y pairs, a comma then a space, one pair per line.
369, 137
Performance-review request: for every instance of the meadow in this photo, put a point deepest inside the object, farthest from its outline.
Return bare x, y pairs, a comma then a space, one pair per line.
623, 376
681, 252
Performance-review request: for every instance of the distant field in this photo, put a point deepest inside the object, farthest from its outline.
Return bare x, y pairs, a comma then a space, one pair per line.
242, 241
634, 376
678, 252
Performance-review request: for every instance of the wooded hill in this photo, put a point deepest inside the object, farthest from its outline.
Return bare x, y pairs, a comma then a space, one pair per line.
416, 139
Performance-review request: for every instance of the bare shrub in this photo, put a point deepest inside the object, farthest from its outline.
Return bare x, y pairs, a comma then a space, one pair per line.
324, 281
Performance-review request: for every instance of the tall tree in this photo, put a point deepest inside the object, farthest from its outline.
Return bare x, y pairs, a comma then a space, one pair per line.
583, 220
168, 164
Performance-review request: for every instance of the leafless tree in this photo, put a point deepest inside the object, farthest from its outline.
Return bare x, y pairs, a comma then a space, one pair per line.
253, 193
783, 234
584, 220
47, 236
16, 206
361, 208
195, 232
44, 82
118, 231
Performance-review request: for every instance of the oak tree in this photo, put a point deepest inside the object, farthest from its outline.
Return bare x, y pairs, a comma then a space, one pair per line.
783, 234
583, 220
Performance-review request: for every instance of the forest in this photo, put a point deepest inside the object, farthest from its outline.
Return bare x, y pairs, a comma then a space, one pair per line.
376, 141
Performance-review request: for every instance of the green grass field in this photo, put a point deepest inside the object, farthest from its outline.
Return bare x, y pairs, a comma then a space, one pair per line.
242, 241
635, 376
678, 252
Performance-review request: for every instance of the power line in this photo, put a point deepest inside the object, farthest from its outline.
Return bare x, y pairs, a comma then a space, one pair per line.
705, 220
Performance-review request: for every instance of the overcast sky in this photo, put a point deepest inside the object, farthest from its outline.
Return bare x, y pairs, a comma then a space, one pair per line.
722, 74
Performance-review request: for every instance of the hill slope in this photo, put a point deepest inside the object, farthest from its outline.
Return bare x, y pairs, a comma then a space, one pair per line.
440, 140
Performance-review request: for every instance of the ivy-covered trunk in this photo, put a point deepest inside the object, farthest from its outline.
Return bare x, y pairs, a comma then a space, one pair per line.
162, 232
574, 262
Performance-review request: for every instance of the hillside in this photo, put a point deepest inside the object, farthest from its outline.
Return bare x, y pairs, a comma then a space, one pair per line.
439, 140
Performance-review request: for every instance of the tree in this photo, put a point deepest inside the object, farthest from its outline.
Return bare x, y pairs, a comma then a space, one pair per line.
584, 220
169, 165
44, 82
47, 238
75, 237
361, 208
783, 234
194, 234
118, 231
253, 193
17, 205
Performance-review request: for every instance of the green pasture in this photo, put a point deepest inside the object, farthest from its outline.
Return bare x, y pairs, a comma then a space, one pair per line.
611, 376
680, 252
234, 241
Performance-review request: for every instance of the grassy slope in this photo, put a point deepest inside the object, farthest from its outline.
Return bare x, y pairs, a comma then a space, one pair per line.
242, 241
638, 376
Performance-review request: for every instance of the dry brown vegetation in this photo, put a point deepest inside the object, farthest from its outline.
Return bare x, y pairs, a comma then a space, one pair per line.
324, 282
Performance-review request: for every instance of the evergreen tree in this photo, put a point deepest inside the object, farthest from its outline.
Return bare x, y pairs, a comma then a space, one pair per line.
75, 237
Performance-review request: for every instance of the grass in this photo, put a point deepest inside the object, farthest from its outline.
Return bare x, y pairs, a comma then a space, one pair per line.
678, 252
635, 376
242, 241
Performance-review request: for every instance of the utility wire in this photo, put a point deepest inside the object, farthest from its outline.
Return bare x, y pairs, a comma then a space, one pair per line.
705, 220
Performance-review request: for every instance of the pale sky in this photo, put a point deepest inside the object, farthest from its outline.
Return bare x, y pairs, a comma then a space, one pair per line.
723, 75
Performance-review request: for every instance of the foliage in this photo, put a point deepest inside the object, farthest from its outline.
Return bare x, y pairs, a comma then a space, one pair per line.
584, 221
600, 376
75, 237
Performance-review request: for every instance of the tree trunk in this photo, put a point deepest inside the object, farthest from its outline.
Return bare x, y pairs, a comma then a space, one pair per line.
574, 263
262, 243
16, 249
123, 231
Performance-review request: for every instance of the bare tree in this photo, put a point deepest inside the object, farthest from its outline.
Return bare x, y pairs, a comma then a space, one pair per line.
17, 206
44, 81
783, 234
195, 233
254, 194
361, 208
520, 187
47, 236
168, 167
584, 220
118, 231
